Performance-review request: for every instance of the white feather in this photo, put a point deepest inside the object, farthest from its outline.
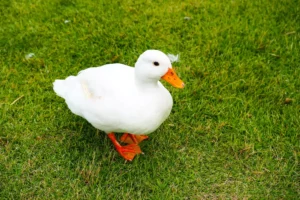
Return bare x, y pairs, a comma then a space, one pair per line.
173, 58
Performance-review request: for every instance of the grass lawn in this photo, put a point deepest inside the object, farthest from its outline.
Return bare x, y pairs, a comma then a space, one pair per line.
234, 131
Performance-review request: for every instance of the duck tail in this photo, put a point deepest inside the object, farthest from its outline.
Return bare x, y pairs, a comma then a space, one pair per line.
61, 86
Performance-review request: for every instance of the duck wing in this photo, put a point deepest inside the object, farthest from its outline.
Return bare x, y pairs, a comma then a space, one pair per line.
90, 85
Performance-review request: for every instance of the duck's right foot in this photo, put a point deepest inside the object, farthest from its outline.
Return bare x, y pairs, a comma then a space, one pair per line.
133, 139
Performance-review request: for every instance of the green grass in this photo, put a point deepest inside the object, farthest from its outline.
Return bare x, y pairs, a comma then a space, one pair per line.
234, 131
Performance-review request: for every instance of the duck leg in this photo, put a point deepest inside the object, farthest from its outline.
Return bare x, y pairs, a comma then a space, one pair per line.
128, 152
133, 139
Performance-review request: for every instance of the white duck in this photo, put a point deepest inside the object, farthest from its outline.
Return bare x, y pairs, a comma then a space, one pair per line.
119, 98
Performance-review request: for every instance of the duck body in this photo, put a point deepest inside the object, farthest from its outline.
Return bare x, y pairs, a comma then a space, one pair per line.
111, 99
119, 98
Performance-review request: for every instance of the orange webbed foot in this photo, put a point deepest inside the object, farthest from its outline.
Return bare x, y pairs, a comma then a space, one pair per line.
133, 139
128, 152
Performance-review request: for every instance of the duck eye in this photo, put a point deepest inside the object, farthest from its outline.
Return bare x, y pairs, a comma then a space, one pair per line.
156, 63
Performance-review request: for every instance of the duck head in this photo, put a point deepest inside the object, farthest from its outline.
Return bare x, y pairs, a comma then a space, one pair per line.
154, 65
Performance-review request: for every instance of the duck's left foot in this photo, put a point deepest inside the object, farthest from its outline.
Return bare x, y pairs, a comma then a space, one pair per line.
128, 152
133, 139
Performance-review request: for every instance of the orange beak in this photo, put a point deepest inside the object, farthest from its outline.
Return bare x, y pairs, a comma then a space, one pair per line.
172, 78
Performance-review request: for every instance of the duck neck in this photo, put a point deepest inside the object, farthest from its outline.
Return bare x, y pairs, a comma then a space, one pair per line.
147, 83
